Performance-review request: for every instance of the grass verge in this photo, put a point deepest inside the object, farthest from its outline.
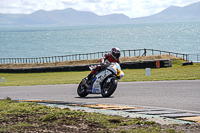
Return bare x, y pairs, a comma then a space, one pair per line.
32, 117
176, 72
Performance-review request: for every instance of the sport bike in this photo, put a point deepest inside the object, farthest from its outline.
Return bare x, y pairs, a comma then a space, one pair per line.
104, 82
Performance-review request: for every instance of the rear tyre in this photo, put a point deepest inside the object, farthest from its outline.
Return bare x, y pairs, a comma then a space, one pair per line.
81, 90
108, 88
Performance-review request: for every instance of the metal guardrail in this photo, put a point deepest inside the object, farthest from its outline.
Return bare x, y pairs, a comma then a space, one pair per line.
87, 56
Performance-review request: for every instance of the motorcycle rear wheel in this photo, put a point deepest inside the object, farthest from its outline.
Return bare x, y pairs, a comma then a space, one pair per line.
81, 90
109, 89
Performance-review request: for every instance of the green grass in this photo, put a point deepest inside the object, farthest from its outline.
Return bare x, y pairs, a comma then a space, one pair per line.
24, 79
20, 117
176, 72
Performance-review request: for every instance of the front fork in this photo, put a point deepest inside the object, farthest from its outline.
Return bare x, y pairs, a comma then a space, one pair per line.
108, 81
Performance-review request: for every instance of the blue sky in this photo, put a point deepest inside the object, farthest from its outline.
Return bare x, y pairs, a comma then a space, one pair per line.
131, 8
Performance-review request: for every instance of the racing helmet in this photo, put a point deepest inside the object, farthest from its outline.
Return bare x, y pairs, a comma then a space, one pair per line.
115, 52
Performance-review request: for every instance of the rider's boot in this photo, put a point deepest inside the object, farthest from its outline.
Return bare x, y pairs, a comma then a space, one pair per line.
85, 80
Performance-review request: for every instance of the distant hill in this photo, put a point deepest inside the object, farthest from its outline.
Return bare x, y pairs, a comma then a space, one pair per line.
174, 13
62, 17
73, 17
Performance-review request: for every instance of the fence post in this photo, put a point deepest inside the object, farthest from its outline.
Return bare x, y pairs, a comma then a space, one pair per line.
186, 57
65, 57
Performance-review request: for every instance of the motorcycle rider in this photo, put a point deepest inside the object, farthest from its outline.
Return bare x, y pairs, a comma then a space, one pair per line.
105, 61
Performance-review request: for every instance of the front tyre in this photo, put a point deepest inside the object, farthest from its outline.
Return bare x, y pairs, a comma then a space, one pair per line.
108, 88
81, 90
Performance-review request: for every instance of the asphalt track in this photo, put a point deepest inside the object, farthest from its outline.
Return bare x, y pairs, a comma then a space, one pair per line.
183, 95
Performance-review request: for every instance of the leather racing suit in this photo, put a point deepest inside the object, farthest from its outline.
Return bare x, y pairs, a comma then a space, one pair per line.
104, 61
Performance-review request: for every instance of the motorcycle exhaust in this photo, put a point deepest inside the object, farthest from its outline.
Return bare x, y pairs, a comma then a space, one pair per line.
85, 83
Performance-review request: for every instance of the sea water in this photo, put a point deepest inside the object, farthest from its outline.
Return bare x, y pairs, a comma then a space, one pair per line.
30, 42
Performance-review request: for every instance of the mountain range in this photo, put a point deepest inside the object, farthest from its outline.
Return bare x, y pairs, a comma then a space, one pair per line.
70, 16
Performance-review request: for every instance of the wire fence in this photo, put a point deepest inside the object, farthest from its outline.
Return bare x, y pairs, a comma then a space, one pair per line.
97, 55
194, 57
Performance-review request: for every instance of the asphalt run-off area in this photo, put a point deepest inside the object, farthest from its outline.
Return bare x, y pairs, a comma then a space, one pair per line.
172, 101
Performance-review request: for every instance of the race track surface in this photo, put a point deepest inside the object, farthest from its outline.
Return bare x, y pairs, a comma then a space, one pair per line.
183, 95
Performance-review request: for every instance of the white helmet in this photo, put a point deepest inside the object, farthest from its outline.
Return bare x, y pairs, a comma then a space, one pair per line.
115, 52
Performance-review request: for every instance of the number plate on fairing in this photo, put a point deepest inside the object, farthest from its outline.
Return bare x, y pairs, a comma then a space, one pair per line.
96, 91
96, 87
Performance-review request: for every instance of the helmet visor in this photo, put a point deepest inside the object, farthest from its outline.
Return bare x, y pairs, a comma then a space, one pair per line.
116, 55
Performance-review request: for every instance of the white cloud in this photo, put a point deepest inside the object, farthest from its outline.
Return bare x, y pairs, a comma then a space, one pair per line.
131, 8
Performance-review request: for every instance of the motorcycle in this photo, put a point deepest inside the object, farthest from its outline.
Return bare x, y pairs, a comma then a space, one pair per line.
103, 82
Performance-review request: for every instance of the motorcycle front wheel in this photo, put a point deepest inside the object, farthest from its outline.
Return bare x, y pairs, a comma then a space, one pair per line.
108, 88
81, 90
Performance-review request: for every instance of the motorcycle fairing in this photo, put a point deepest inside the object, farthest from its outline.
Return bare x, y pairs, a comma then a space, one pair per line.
116, 69
95, 87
